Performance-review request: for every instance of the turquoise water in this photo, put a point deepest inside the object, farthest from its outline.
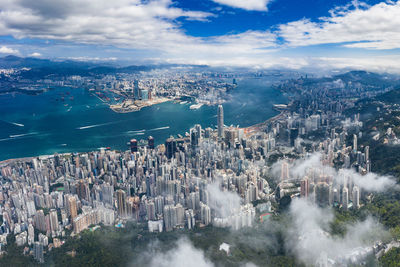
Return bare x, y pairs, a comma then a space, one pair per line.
38, 125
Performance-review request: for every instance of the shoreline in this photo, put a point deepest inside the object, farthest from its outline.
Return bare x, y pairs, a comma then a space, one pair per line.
133, 107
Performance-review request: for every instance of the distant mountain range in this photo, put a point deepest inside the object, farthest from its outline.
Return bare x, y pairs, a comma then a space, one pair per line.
359, 76
43, 67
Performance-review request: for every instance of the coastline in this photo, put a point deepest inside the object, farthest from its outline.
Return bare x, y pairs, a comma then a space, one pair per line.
132, 106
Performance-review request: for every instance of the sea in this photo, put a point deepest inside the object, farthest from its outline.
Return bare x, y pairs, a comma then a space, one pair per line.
33, 125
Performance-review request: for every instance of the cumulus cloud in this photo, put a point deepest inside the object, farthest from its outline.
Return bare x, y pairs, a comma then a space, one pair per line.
258, 5
360, 25
309, 240
149, 25
314, 164
8, 50
223, 202
182, 255
152, 30
35, 54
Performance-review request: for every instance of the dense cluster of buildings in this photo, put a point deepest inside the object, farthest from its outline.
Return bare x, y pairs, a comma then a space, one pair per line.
209, 176
167, 186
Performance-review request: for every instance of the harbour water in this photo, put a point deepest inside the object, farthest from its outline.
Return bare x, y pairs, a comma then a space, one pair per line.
72, 120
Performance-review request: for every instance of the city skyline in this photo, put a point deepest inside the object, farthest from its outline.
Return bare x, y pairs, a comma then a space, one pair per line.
209, 133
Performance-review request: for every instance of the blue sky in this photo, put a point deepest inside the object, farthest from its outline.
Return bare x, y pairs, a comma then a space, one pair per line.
253, 33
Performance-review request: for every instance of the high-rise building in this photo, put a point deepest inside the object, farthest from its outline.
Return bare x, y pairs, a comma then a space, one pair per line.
230, 136
40, 221
81, 189
53, 221
107, 192
322, 194
137, 89
194, 138
356, 197
144, 94
304, 187
150, 142
121, 201
205, 214
220, 116
31, 234
170, 147
345, 198
134, 145
284, 170
72, 206
38, 252
354, 142
366, 152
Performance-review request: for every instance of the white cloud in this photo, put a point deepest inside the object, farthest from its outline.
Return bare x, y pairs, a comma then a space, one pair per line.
373, 27
313, 164
223, 202
184, 254
149, 26
123, 23
258, 5
310, 241
151, 30
83, 59
8, 50
35, 54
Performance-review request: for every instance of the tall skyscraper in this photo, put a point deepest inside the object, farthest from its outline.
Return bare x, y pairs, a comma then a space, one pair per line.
38, 252
284, 170
220, 121
137, 89
121, 198
170, 147
40, 221
366, 152
134, 145
356, 197
322, 194
304, 187
345, 198
354, 142
53, 221
150, 142
73, 210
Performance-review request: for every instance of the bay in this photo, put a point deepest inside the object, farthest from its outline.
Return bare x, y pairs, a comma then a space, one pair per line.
32, 125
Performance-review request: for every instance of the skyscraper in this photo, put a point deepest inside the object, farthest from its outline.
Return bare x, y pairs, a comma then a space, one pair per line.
354, 142
366, 152
53, 221
134, 145
170, 147
220, 121
284, 171
304, 187
38, 252
73, 210
150, 142
137, 89
121, 198
345, 198
356, 197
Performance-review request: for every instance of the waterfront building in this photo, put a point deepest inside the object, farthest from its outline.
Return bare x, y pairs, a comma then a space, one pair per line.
220, 122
